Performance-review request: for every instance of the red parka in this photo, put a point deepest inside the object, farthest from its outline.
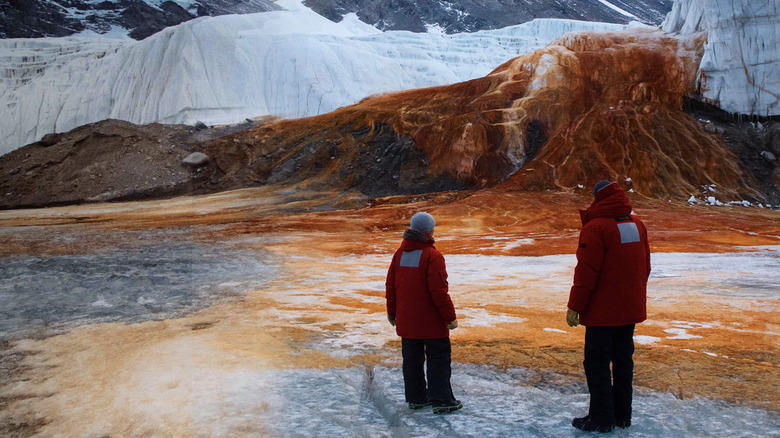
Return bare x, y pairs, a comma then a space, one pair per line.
613, 263
417, 290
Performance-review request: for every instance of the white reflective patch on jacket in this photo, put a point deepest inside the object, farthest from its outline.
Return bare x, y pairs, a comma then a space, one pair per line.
628, 232
411, 259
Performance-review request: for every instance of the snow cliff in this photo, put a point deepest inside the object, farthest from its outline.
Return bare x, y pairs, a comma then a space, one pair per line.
224, 69
739, 69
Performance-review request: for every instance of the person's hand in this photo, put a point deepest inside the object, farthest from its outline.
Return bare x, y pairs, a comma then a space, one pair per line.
391, 319
572, 318
452, 325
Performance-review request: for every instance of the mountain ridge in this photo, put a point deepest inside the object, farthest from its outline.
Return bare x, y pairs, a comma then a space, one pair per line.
139, 19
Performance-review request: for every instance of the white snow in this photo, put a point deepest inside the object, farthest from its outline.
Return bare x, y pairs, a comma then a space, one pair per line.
554, 330
142, 300
228, 68
646, 340
483, 318
680, 334
738, 71
615, 8
101, 303
116, 32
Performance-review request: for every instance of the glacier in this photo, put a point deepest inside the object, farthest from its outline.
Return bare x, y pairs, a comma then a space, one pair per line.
739, 68
221, 70
295, 63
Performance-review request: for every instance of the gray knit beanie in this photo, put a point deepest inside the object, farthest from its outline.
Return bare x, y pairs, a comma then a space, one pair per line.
422, 222
600, 185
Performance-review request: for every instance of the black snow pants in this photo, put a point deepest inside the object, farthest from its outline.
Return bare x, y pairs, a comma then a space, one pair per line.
438, 353
610, 393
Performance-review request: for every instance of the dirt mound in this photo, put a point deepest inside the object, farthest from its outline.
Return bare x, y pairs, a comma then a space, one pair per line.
110, 160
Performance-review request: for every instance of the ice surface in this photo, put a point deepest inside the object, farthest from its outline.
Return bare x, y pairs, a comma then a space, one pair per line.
742, 280
721, 276
355, 402
148, 282
167, 269
225, 69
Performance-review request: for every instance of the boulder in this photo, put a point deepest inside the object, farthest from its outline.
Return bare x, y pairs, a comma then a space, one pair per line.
196, 159
50, 139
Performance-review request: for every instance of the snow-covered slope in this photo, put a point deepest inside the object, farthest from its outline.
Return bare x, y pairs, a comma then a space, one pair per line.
739, 71
224, 69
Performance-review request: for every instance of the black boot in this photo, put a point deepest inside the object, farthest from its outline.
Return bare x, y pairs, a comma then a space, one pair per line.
584, 424
444, 407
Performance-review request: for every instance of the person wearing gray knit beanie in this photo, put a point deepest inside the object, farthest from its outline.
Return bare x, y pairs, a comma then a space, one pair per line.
423, 222
420, 308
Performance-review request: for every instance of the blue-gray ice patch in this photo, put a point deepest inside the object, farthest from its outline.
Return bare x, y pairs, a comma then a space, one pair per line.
411, 259
628, 232
131, 285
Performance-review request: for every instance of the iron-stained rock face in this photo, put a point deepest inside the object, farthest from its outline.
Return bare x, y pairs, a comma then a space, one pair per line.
590, 106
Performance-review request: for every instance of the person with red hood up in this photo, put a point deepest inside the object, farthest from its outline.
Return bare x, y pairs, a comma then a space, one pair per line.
609, 297
420, 308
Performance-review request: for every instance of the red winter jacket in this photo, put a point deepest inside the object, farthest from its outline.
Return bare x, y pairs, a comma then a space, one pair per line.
613, 263
417, 290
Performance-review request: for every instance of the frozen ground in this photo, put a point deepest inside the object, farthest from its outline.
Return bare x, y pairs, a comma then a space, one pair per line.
161, 278
367, 402
746, 280
270, 363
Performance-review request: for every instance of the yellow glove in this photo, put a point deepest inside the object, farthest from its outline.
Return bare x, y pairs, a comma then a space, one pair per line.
572, 318
391, 318
452, 325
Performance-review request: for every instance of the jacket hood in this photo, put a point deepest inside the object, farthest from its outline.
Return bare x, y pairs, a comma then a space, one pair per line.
414, 239
610, 201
